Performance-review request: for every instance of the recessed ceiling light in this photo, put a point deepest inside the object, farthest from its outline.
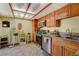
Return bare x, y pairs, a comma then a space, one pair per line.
31, 12
20, 6
27, 15
16, 14
33, 8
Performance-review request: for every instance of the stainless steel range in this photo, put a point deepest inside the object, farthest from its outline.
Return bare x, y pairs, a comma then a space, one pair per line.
39, 37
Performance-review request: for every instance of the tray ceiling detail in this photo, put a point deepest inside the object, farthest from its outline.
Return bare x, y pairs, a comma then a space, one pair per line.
27, 10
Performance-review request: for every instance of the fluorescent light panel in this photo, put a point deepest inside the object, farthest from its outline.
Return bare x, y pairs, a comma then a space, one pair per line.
28, 16
20, 6
36, 7
18, 14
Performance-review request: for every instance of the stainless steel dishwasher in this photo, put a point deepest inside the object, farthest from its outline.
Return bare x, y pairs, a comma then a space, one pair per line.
46, 44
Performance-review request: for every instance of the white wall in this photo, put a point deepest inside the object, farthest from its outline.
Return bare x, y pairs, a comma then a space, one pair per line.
26, 26
71, 23
5, 31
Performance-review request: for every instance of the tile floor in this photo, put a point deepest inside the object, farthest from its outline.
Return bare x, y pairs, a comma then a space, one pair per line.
30, 49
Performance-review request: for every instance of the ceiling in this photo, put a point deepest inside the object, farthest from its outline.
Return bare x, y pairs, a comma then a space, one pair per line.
28, 10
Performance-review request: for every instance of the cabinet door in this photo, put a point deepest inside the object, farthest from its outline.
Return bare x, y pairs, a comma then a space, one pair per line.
68, 51
74, 9
57, 23
52, 19
48, 20
62, 13
54, 51
56, 48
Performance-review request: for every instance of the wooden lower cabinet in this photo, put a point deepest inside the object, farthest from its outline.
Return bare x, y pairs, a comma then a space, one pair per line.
60, 47
68, 51
56, 49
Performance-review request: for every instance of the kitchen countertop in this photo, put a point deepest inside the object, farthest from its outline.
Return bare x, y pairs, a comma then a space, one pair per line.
67, 39
63, 38
72, 40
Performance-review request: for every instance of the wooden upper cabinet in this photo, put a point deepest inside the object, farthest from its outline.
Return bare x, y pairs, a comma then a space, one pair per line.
52, 19
40, 20
57, 23
62, 13
74, 9
48, 20
69, 10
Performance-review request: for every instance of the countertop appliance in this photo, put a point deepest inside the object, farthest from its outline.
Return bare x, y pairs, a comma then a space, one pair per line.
46, 44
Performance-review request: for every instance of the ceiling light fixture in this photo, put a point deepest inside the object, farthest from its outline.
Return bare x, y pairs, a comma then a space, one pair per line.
26, 16
16, 14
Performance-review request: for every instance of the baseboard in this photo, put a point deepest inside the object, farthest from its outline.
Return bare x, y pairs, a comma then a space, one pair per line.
33, 41
14, 44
